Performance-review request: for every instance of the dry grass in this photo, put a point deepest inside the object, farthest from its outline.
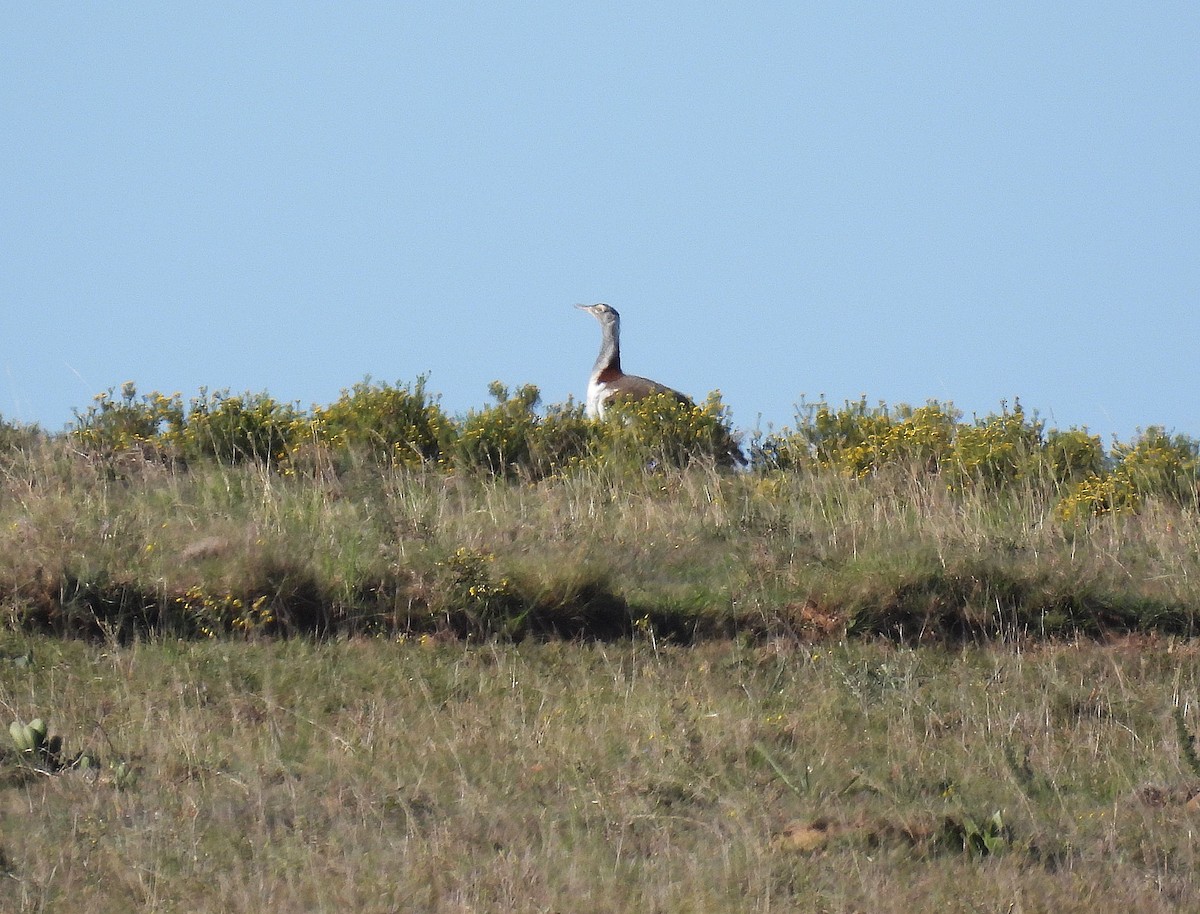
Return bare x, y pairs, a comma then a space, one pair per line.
376, 776
88, 546
388, 759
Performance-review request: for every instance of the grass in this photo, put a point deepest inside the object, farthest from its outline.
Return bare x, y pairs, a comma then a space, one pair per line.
680, 690
729, 776
128, 546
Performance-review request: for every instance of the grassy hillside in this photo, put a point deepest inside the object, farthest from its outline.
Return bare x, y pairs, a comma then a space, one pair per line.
366, 775
370, 656
113, 547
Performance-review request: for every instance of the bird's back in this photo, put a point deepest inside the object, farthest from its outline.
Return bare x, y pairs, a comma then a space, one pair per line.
603, 390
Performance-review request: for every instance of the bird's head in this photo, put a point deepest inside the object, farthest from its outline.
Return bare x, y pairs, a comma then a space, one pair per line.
605, 314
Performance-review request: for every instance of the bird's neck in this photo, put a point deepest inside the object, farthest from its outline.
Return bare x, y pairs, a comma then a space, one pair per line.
608, 362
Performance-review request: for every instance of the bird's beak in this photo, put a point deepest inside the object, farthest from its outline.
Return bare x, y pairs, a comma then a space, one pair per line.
584, 307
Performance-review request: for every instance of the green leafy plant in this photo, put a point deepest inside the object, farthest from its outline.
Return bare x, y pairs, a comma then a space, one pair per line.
1187, 741
986, 838
34, 744
124, 774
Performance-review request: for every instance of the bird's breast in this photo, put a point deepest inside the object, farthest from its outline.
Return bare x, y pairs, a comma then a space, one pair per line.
597, 392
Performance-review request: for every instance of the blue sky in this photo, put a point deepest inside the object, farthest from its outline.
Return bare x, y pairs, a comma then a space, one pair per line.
967, 202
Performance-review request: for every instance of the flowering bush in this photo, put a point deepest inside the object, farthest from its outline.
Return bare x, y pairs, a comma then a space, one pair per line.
1158, 464
1154, 465
998, 450
663, 431
120, 423
859, 439
1098, 494
994, 452
498, 439
472, 599
235, 429
513, 440
393, 425
216, 614
563, 439
1073, 454
402, 426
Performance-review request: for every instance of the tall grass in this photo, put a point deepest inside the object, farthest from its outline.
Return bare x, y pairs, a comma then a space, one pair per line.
358, 658
129, 543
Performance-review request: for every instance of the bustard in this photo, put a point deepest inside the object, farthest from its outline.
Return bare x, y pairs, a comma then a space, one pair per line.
608, 380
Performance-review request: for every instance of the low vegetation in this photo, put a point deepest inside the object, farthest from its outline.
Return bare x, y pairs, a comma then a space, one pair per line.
376, 776
372, 656
381, 515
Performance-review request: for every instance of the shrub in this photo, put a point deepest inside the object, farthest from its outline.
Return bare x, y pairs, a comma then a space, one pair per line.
236, 429
1159, 464
1073, 455
562, 440
662, 431
845, 439
113, 424
922, 437
1096, 495
498, 439
859, 440
1154, 465
512, 440
472, 600
997, 450
393, 425
214, 614
17, 436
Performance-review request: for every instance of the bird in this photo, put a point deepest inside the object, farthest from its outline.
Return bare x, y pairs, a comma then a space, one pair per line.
608, 381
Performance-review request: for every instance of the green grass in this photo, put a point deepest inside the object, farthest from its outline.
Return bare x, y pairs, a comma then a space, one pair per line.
108, 548
731, 776
385, 688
